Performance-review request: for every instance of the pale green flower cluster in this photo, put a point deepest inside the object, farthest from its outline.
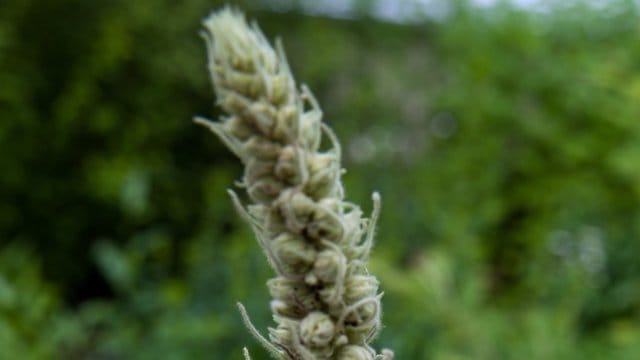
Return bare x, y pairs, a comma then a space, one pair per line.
325, 303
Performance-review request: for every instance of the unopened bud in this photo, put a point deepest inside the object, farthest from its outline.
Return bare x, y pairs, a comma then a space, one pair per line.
281, 334
325, 225
286, 123
246, 83
323, 175
317, 330
354, 352
327, 265
297, 297
263, 116
287, 166
331, 294
310, 131
295, 255
262, 148
279, 88
256, 169
265, 190
234, 103
358, 287
238, 128
296, 208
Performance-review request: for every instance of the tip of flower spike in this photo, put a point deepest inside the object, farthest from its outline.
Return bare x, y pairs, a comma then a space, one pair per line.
226, 13
235, 44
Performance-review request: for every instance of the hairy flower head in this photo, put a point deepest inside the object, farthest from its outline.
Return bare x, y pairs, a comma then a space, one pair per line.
325, 303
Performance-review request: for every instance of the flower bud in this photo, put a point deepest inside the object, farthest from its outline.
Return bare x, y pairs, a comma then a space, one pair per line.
331, 204
362, 320
302, 205
387, 354
286, 125
238, 128
363, 317
274, 222
323, 176
296, 209
354, 352
310, 131
331, 295
325, 225
234, 103
287, 167
294, 254
261, 148
265, 190
294, 294
280, 307
352, 240
358, 287
247, 84
279, 88
281, 334
256, 169
263, 116
281, 288
326, 266
242, 63
317, 330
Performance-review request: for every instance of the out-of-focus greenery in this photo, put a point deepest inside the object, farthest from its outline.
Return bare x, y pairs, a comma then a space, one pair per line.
505, 144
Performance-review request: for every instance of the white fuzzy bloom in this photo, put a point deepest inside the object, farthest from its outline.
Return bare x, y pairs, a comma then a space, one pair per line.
325, 303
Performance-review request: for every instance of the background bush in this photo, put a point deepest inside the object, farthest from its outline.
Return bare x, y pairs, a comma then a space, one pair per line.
505, 144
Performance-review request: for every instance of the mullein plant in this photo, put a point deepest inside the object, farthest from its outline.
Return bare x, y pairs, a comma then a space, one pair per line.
325, 303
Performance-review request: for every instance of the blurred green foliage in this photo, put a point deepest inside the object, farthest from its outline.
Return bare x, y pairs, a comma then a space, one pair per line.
505, 144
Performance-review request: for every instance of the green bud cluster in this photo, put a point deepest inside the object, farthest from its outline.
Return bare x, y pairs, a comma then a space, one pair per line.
325, 303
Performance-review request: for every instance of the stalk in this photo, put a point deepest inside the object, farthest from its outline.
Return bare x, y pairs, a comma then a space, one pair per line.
325, 303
